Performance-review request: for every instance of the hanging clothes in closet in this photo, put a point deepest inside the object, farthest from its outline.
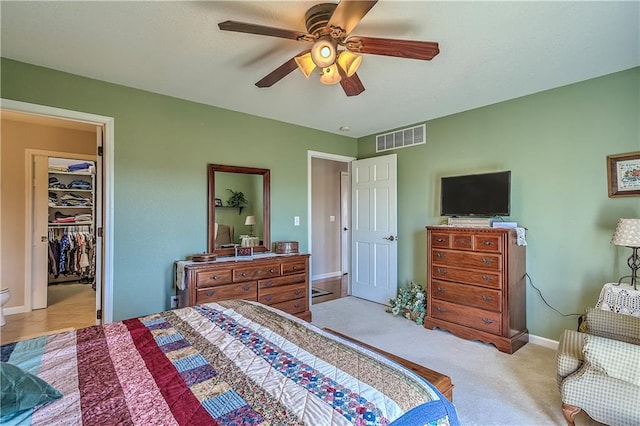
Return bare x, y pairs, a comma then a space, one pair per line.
72, 253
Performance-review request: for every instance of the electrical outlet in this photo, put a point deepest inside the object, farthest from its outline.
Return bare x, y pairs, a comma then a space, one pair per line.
174, 302
296, 221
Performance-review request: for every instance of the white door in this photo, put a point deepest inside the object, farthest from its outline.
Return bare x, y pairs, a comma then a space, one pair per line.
97, 217
345, 215
40, 238
374, 229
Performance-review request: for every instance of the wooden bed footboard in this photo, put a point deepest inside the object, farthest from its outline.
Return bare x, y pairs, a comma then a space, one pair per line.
440, 381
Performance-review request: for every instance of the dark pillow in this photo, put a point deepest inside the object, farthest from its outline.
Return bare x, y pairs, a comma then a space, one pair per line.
22, 390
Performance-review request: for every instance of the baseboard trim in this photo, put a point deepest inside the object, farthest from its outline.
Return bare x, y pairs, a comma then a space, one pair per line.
15, 310
327, 275
543, 341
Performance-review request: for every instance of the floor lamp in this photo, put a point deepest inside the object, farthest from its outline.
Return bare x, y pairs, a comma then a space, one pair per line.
627, 234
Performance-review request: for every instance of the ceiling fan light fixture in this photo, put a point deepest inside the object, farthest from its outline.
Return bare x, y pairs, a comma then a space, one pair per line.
323, 53
330, 75
305, 64
349, 62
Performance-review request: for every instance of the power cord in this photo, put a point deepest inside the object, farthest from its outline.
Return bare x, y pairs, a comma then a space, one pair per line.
544, 300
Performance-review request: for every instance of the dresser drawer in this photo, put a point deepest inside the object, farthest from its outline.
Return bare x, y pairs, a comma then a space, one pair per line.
280, 281
462, 241
246, 291
253, 272
478, 297
440, 240
273, 295
469, 259
467, 316
489, 243
293, 267
214, 277
475, 277
292, 306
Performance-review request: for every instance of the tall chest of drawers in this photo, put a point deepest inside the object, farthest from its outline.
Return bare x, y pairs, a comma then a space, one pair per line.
476, 285
281, 281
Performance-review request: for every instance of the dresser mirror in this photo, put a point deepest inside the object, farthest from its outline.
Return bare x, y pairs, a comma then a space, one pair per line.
230, 225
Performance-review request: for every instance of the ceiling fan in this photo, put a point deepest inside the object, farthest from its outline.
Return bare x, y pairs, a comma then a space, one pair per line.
336, 56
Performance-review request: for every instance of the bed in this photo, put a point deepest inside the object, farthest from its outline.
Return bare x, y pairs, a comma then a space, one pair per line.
232, 362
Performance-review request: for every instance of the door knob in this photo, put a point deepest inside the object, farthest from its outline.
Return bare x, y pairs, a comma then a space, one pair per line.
345, 229
391, 238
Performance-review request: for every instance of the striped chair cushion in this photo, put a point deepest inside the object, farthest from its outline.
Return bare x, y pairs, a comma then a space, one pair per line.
569, 356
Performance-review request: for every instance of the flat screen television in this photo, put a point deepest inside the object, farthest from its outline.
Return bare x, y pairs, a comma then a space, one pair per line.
486, 194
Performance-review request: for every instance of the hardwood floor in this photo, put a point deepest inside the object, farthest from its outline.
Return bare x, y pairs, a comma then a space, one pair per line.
338, 286
71, 306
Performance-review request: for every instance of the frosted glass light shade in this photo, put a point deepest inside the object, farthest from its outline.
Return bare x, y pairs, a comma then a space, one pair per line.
305, 64
349, 62
323, 53
330, 75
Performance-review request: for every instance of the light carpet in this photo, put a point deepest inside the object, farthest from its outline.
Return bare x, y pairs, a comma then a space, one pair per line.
491, 387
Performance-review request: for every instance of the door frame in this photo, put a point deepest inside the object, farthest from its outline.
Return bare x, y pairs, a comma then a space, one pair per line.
107, 124
324, 156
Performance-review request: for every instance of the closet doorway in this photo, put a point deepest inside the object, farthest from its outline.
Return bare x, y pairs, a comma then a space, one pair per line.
22, 268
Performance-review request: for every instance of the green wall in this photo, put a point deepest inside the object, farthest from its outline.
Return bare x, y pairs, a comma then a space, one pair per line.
555, 143
162, 148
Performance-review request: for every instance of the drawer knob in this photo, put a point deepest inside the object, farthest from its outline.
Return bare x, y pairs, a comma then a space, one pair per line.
487, 320
487, 260
214, 277
268, 297
441, 309
441, 271
297, 305
268, 284
487, 278
440, 240
246, 287
244, 274
440, 290
210, 293
298, 292
440, 255
487, 298
299, 279
487, 243
271, 271
294, 267
463, 242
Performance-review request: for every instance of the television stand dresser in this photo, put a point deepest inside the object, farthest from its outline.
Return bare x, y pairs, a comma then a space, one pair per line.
281, 281
476, 285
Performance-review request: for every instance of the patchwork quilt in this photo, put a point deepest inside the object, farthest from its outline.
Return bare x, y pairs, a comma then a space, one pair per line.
226, 363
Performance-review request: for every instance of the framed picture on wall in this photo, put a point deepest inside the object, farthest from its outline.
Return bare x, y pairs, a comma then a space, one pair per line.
623, 173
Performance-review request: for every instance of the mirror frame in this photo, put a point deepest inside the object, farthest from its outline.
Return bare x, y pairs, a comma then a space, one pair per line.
266, 207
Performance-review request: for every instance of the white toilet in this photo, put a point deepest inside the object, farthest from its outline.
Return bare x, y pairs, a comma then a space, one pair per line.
5, 295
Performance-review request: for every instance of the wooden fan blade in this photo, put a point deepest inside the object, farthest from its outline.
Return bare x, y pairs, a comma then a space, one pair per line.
424, 50
352, 86
243, 27
278, 74
349, 13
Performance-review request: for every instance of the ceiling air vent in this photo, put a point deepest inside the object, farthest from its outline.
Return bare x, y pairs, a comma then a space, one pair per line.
402, 138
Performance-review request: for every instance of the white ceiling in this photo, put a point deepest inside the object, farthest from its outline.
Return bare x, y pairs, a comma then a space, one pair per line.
490, 51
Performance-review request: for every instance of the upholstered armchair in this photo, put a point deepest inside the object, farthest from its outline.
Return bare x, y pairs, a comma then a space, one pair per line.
599, 369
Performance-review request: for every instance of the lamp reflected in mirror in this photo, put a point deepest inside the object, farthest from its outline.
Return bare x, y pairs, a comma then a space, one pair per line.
250, 221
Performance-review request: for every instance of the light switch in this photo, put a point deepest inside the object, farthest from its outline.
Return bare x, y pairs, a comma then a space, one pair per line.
332, 218
296, 221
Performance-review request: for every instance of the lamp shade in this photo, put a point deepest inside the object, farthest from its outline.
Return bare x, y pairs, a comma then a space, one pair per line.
250, 220
627, 233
